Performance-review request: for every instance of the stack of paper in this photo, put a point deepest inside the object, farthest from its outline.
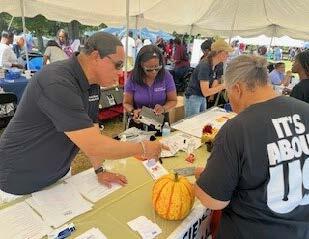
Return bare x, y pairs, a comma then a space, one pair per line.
93, 233
59, 204
179, 141
87, 184
155, 169
146, 228
194, 125
20, 221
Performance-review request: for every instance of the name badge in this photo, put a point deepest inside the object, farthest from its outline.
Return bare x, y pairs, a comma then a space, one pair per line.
159, 89
93, 98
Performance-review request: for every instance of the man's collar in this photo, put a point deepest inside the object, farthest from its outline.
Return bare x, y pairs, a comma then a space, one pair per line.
79, 74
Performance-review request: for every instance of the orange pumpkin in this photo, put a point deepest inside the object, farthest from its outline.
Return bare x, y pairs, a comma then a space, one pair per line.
172, 197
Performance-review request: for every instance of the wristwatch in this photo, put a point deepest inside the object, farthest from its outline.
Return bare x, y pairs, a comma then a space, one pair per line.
100, 170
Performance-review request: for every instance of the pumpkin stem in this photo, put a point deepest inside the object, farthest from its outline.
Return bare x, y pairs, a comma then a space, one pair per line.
176, 177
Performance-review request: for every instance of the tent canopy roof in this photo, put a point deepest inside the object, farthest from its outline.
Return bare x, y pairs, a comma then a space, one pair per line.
208, 17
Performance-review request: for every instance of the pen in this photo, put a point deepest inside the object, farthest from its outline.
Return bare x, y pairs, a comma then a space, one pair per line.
160, 160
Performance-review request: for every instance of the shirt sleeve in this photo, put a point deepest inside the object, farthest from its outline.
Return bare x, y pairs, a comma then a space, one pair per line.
221, 174
64, 108
275, 78
297, 92
169, 82
8, 57
204, 72
129, 86
47, 51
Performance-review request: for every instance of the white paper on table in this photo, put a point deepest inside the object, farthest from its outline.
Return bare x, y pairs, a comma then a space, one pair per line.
87, 184
179, 141
145, 227
156, 170
194, 125
20, 221
93, 233
59, 204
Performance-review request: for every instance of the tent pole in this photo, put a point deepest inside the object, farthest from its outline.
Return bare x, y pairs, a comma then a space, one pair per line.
124, 118
22, 8
233, 24
10, 23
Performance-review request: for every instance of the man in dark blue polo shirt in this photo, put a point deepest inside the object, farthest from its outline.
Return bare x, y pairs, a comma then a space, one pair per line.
56, 117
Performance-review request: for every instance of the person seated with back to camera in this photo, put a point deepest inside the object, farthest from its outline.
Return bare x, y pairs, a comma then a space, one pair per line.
149, 85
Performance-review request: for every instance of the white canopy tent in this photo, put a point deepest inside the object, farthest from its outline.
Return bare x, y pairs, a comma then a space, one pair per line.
266, 41
246, 18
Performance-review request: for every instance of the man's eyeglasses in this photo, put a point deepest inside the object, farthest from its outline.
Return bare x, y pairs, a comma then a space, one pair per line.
118, 64
156, 69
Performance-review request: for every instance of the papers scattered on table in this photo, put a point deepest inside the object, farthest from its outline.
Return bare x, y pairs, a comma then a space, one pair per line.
179, 141
194, 125
59, 204
145, 227
20, 221
93, 233
155, 169
87, 184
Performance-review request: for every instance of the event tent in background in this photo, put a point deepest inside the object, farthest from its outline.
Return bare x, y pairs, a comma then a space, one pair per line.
143, 32
268, 41
226, 18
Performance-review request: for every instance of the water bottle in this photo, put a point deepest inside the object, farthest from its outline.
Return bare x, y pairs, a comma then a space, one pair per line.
166, 130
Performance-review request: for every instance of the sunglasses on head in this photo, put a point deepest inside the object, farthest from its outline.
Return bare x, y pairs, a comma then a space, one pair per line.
156, 69
118, 64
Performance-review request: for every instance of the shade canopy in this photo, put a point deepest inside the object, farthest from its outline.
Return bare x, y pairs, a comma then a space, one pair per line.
274, 18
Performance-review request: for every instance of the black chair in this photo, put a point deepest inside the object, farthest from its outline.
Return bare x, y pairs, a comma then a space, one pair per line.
8, 103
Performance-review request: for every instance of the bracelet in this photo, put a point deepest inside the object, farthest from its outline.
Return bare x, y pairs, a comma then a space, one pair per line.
144, 148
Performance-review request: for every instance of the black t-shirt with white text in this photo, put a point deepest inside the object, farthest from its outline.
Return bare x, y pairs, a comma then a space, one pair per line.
301, 90
260, 163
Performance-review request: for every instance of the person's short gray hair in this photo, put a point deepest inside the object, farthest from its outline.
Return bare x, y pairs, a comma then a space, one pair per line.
102, 42
250, 70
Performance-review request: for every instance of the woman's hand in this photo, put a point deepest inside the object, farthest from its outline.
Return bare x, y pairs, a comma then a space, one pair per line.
159, 109
136, 114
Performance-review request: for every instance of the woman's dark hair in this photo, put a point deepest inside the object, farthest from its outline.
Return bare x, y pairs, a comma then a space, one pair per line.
146, 53
52, 43
303, 59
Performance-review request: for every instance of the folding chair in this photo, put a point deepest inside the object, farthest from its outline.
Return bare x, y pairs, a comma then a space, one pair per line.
8, 103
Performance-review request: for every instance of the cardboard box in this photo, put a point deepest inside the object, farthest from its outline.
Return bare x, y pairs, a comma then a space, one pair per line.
178, 112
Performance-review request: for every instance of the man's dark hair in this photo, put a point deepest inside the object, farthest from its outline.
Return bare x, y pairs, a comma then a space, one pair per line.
102, 42
7, 34
303, 59
206, 45
52, 43
278, 64
146, 53
130, 34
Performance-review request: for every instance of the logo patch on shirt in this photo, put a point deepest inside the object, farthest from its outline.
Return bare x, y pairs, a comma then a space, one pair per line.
159, 89
93, 98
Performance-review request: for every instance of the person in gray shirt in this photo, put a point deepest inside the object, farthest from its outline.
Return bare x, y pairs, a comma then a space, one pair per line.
57, 116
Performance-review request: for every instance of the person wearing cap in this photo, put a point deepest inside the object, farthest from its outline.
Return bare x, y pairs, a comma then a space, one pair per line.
150, 85
257, 171
218, 70
57, 117
201, 82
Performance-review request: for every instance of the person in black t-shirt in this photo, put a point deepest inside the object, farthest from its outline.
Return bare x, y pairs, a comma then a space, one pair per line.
258, 171
202, 79
301, 66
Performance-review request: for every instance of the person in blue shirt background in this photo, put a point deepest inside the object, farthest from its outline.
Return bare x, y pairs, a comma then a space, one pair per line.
278, 76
